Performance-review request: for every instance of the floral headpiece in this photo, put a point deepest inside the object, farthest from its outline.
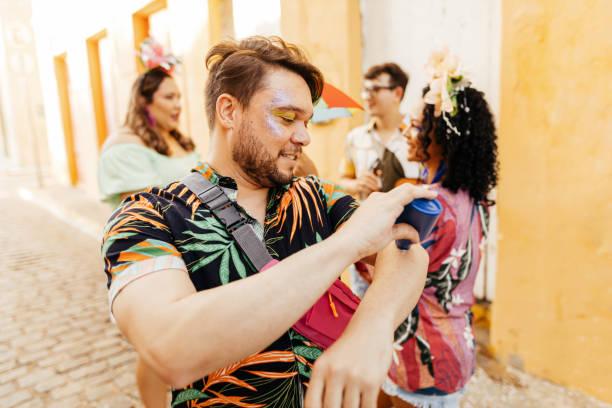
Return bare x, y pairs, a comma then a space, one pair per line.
152, 56
446, 79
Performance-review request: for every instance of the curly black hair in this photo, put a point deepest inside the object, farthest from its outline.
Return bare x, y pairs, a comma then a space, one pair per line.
470, 158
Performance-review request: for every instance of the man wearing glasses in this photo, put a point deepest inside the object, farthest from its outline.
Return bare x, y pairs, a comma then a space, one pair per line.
376, 153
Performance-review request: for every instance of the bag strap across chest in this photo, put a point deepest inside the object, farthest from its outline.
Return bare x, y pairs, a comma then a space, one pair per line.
217, 202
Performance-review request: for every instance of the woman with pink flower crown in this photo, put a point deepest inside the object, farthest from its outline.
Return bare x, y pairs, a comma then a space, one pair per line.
147, 151
452, 133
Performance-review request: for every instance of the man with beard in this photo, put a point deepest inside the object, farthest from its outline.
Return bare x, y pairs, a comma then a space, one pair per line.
187, 297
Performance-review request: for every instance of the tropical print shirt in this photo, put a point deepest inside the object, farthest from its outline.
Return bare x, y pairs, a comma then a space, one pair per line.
170, 228
434, 347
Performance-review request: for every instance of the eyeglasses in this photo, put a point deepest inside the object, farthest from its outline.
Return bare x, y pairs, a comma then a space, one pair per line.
374, 89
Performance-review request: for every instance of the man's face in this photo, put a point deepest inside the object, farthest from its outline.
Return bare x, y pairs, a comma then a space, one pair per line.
273, 130
379, 96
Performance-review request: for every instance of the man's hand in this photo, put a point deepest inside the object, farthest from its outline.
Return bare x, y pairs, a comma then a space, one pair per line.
366, 184
350, 373
373, 226
410, 265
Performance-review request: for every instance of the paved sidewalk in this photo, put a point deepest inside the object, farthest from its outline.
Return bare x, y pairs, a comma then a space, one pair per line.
58, 347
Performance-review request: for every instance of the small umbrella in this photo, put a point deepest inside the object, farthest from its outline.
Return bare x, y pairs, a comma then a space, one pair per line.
333, 104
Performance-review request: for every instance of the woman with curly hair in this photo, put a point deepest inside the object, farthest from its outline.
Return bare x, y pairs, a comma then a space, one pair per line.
453, 135
148, 150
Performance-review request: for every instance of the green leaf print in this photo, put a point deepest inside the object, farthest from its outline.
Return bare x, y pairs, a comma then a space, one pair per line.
269, 243
215, 242
205, 261
203, 237
293, 335
224, 270
238, 262
304, 370
273, 253
203, 247
210, 223
148, 251
273, 240
311, 353
109, 241
111, 224
189, 395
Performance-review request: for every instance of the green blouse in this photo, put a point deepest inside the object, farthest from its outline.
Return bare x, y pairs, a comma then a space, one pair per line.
133, 167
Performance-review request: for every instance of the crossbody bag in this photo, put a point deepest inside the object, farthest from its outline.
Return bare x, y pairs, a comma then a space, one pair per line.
325, 321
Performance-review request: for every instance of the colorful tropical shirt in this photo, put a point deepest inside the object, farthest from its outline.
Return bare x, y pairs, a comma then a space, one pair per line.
434, 347
170, 228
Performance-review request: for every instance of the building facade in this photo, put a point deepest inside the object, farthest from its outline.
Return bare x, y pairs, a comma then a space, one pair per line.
545, 67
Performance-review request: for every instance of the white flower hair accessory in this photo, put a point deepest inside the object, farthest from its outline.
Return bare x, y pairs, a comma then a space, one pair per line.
152, 56
446, 79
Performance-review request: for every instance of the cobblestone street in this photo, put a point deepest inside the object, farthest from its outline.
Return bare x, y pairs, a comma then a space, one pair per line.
58, 347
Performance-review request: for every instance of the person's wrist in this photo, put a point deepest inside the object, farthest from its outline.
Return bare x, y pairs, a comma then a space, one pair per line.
381, 287
343, 245
373, 319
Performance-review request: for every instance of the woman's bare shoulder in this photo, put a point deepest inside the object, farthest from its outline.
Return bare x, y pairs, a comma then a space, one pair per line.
122, 136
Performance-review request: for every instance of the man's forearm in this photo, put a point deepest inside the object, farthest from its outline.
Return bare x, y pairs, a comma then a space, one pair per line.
208, 330
395, 289
340, 379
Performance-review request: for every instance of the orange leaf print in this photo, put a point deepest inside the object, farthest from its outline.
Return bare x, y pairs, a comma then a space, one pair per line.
272, 374
183, 192
301, 359
269, 357
261, 358
296, 198
222, 399
194, 208
135, 216
232, 380
190, 199
132, 257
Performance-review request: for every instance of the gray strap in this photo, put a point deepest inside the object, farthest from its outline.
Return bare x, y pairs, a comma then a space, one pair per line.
215, 199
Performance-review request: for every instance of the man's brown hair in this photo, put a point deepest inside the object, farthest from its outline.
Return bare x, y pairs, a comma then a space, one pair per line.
397, 74
238, 67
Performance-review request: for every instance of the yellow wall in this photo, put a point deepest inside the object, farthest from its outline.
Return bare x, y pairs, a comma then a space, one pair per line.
330, 31
553, 308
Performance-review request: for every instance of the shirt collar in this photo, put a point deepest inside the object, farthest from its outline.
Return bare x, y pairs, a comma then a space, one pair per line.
211, 174
372, 126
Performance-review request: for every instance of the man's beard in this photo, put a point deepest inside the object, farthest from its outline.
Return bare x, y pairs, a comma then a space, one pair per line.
254, 160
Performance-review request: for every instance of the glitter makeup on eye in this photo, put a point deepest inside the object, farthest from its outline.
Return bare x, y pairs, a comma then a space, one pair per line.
273, 124
284, 114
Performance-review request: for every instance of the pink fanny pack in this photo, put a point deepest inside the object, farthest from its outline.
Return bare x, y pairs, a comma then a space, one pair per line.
326, 320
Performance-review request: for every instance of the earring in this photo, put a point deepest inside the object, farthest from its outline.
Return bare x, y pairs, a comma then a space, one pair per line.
150, 118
